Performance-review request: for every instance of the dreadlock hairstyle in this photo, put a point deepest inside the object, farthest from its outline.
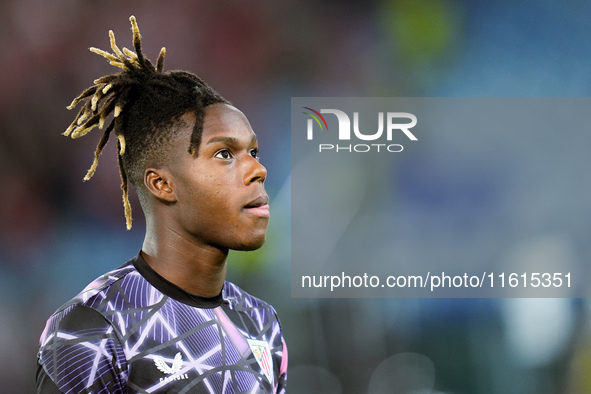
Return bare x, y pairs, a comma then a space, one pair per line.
146, 104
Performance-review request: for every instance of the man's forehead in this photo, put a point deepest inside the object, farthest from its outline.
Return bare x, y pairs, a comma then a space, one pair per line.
223, 113
223, 121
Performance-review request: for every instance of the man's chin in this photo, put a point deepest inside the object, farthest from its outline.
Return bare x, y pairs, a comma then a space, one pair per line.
250, 245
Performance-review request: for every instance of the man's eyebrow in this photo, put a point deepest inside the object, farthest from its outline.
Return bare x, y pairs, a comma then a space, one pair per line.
229, 140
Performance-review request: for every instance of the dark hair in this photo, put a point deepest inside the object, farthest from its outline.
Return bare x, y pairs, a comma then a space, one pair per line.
147, 104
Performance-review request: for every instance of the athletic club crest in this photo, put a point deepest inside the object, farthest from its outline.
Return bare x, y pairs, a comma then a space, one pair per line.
262, 354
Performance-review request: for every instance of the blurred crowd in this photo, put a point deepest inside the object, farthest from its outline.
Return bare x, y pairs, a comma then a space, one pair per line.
58, 233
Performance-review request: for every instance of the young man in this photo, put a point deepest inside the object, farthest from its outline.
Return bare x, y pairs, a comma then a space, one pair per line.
167, 321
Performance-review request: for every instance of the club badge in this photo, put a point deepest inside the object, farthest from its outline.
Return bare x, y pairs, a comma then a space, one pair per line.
262, 354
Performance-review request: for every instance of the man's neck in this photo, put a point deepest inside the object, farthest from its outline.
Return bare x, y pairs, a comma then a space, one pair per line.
196, 268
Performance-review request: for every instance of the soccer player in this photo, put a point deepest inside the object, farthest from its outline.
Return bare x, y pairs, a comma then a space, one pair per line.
167, 321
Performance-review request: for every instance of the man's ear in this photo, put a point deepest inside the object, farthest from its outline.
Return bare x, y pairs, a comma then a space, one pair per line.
159, 183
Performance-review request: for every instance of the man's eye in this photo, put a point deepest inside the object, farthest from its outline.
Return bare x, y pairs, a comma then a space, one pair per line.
254, 153
224, 154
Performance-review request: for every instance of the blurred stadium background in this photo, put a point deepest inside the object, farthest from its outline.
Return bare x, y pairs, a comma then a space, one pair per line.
58, 233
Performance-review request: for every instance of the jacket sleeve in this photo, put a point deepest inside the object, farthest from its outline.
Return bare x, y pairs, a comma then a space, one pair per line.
80, 352
44, 383
281, 356
282, 381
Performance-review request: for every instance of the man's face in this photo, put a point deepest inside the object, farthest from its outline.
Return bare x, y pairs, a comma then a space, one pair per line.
221, 198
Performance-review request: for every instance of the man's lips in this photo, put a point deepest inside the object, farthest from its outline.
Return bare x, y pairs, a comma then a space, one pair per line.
259, 206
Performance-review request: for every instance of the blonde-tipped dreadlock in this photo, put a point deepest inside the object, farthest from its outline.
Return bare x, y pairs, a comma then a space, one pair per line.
145, 102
